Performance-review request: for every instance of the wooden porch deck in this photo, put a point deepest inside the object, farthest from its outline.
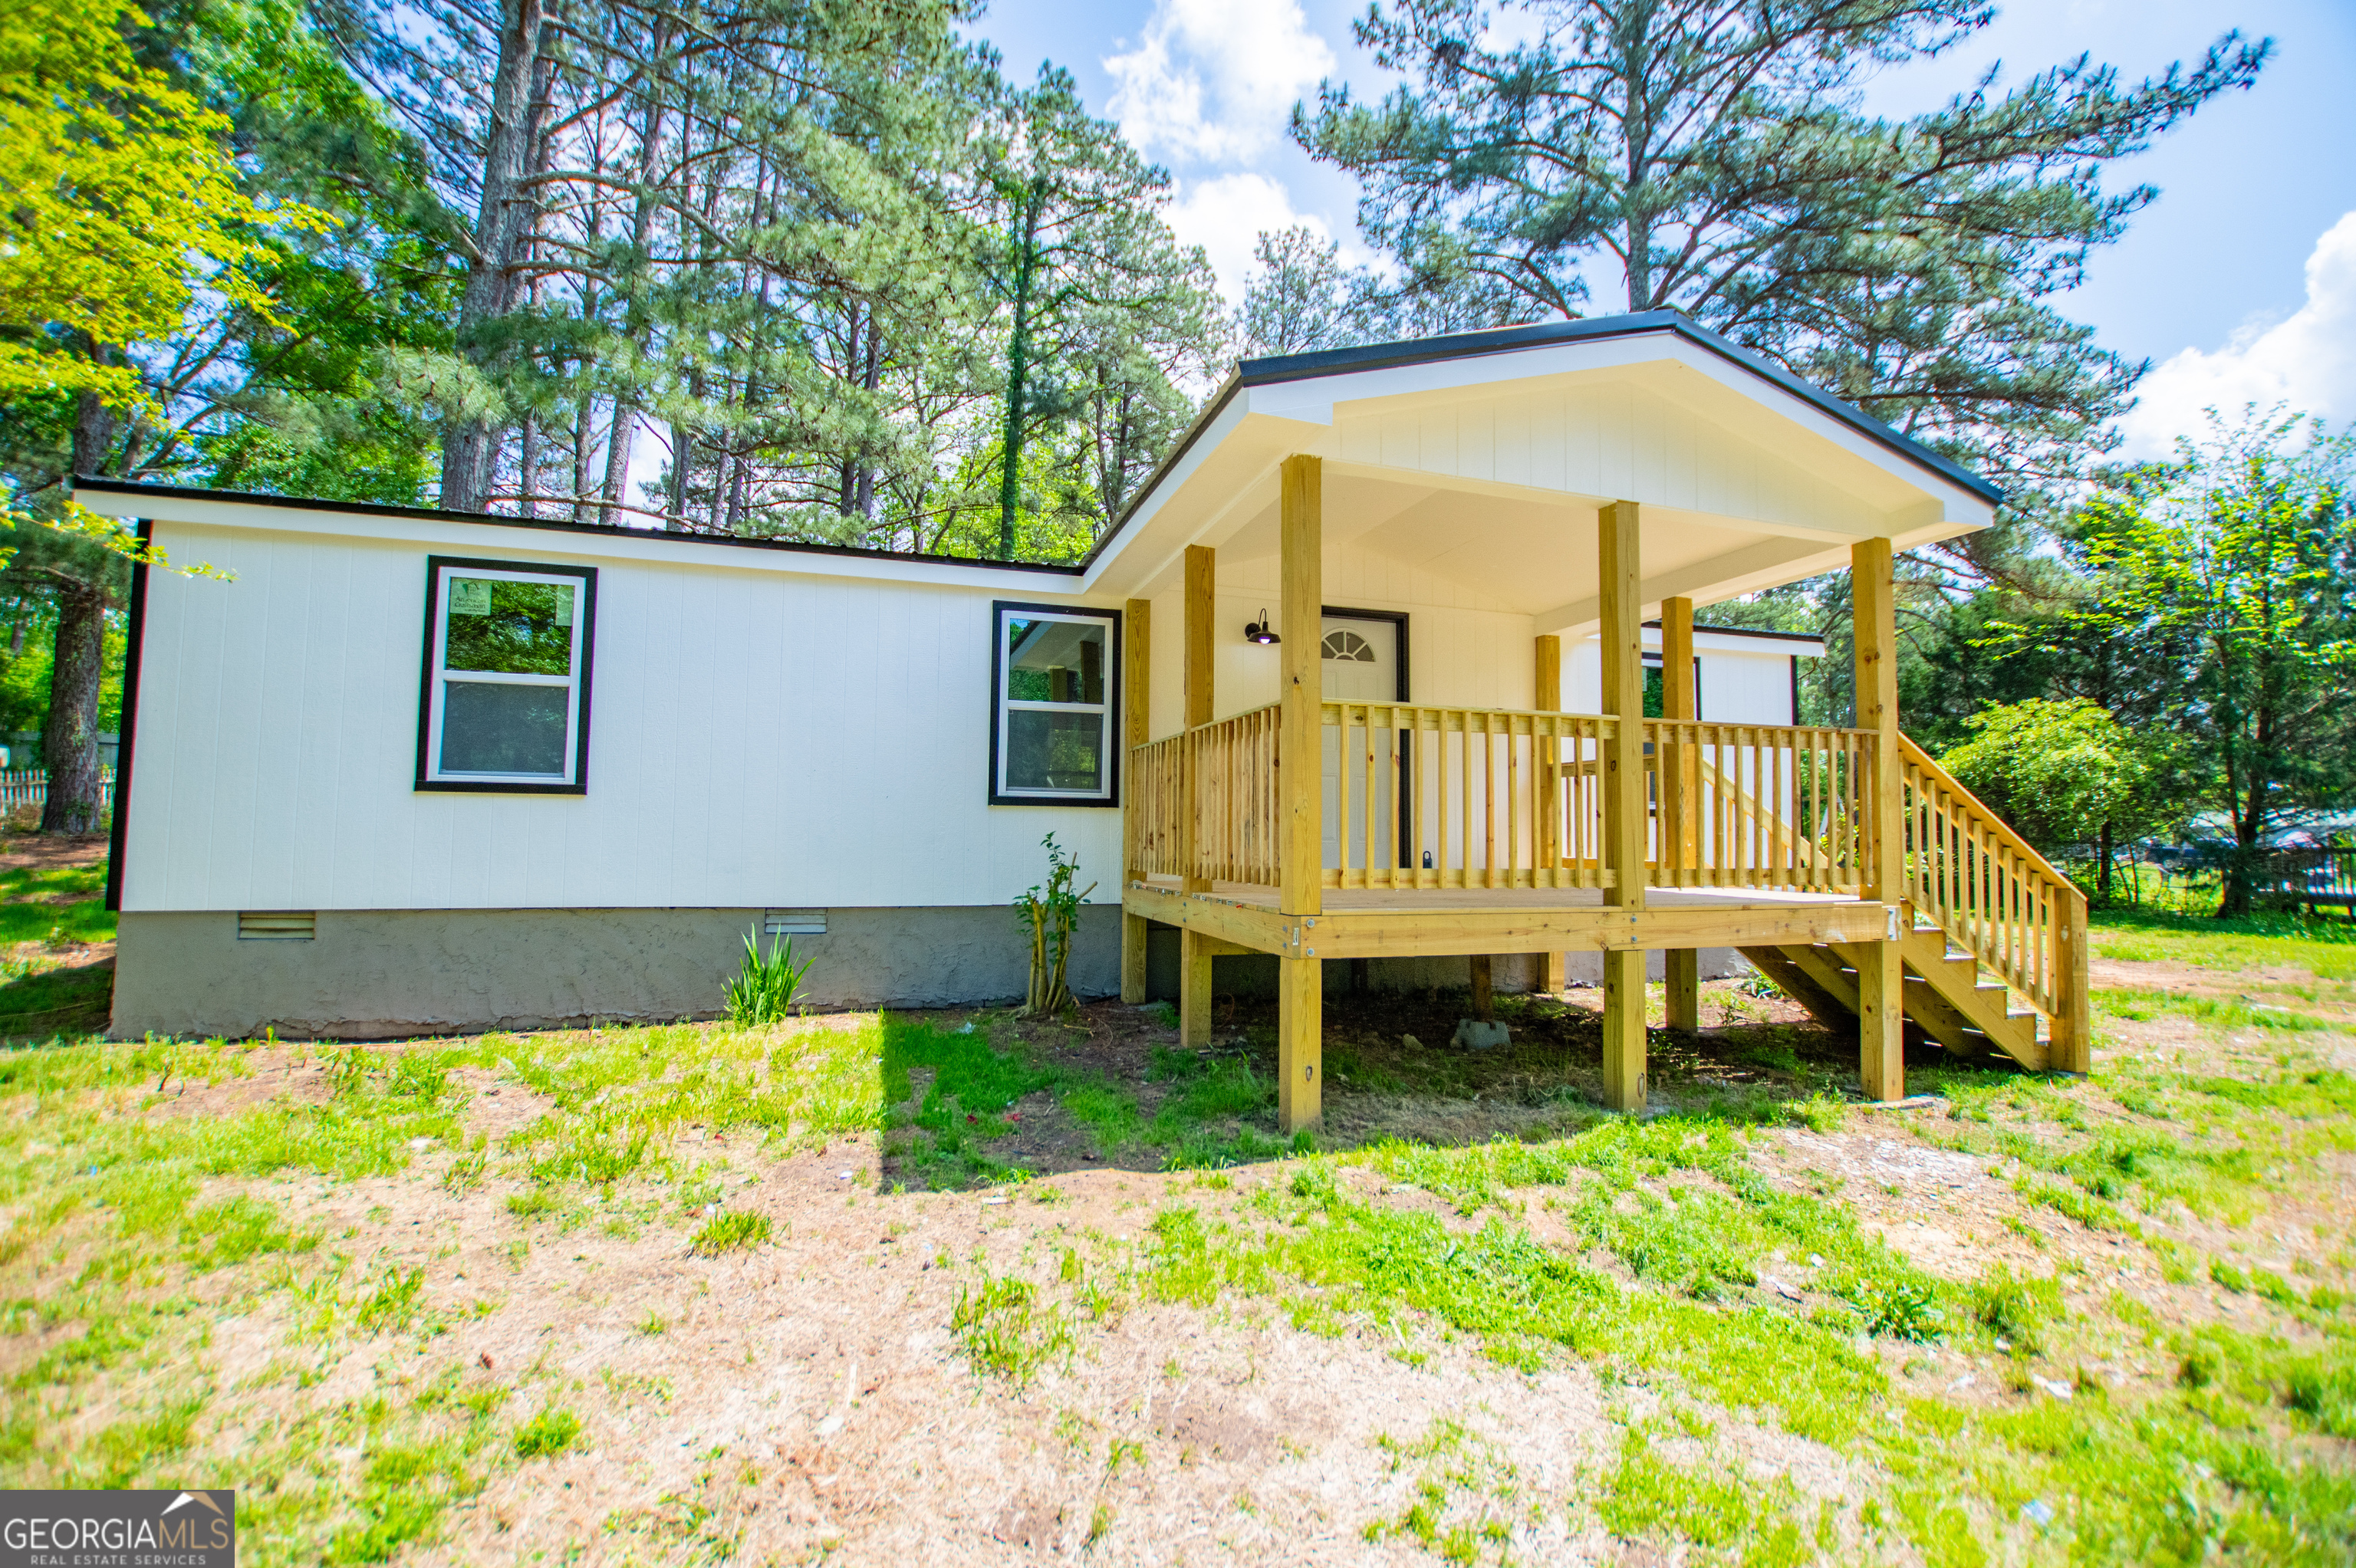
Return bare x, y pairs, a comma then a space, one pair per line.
1386, 922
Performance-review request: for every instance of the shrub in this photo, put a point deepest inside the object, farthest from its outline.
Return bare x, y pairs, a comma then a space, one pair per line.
1047, 915
764, 989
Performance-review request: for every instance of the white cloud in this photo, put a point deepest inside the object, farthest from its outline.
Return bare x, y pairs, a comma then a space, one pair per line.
2307, 360
1213, 81
1226, 216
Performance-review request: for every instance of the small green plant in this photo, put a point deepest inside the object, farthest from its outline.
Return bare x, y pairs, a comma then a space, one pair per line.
551, 1431
1048, 914
764, 989
727, 1232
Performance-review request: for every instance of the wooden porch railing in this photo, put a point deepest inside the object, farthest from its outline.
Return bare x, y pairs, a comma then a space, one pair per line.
1425, 796
1234, 765
1998, 899
1422, 796
1759, 806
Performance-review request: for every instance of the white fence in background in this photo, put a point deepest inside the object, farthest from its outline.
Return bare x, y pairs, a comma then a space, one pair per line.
31, 788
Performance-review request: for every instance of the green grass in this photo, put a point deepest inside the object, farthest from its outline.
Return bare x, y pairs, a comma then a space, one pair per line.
550, 1432
41, 996
2326, 948
31, 910
729, 1233
1649, 1270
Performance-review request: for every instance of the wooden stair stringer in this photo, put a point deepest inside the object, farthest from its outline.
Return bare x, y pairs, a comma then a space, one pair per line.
1945, 997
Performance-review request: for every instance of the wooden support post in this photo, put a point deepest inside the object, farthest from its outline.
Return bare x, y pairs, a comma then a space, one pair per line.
1681, 969
1621, 579
1623, 1029
1299, 1041
1299, 786
1553, 974
1679, 771
1484, 1001
1880, 975
1194, 987
2073, 1026
1202, 571
1137, 715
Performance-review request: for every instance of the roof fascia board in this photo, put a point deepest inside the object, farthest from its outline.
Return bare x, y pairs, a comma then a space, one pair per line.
1719, 640
421, 525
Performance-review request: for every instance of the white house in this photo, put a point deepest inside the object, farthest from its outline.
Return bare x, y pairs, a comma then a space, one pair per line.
413, 770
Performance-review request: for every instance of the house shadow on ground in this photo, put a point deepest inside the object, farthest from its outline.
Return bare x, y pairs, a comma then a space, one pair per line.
981, 1097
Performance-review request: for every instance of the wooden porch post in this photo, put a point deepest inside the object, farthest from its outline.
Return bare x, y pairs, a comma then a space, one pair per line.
1552, 971
1301, 992
1880, 972
1621, 581
1194, 952
1136, 728
1679, 771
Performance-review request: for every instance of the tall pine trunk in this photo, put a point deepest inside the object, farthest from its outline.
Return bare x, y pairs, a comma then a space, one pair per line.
70, 739
470, 447
70, 745
1018, 365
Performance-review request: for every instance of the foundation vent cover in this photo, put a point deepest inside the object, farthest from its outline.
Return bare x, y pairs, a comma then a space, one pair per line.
277, 926
793, 923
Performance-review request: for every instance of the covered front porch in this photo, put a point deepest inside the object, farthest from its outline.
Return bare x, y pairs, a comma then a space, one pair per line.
1315, 827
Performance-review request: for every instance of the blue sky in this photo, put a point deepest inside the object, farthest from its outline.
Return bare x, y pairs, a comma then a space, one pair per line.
2239, 283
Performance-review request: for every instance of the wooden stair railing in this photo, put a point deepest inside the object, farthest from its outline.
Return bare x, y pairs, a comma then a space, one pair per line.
1969, 874
1976, 896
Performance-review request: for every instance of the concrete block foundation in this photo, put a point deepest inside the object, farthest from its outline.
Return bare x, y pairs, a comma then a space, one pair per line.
387, 974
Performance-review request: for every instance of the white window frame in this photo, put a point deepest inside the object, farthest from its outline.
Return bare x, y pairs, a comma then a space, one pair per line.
1107, 791
430, 775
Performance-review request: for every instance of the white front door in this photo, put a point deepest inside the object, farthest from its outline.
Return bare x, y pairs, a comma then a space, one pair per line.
1360, 660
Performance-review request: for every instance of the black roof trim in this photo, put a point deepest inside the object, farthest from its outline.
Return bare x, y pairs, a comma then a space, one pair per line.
1279, 369
555, 525
1754, 631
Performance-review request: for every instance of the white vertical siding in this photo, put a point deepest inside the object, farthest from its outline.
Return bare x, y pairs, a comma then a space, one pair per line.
756, 739
1604, 439
1463, 649
1742, 687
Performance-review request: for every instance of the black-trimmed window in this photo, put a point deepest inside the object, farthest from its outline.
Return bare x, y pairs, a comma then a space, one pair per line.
1053, 705
1657, 696
505, 706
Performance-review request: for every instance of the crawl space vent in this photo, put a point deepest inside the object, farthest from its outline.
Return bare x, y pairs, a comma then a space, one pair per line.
793, 923
277, 926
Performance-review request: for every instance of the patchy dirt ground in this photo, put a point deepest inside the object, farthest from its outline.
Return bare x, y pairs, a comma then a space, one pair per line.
882, 1375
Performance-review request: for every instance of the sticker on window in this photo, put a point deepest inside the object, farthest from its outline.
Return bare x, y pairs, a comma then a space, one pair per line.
472, 596
563, 607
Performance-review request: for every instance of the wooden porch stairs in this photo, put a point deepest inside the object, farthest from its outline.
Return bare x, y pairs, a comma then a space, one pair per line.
1980, 903
1948, 996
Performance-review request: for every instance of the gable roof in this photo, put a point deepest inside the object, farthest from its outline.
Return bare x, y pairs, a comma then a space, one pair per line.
1278, 370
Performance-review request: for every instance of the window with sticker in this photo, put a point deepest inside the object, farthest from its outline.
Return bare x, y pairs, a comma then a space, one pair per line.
505, 704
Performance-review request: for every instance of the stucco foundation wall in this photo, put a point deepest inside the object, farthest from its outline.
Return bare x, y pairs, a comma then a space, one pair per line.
1254, 975
375, 974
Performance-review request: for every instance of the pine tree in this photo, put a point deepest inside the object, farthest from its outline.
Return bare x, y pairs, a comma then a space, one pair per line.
1645, 154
